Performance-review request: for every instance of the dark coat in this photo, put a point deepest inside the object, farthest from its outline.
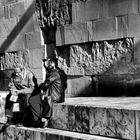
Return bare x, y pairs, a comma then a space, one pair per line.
52, 86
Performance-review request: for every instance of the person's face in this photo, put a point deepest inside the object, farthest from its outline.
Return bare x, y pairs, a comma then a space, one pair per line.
51, 64
18, 71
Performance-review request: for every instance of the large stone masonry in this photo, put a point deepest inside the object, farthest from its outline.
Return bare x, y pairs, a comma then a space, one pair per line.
101, 44
96, 41
20, 39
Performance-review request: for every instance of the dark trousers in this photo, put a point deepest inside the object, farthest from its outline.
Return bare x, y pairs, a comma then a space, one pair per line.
40, 108
35, 106
22, 100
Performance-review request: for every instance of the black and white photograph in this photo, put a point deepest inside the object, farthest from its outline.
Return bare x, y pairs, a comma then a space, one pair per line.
69, 69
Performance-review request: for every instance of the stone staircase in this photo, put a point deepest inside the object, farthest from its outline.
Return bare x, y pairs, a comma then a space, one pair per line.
85, 118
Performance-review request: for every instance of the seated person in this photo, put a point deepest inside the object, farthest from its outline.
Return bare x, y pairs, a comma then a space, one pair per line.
21, 86
53, 89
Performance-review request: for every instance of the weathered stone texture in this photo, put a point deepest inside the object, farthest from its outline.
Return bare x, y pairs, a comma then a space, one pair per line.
122, 26
17, 9
98, 30
62, 120
4, 2
113, 8
10, 60
105, 29
7, 11
35, 57
1, 12
81, 86
33, 40
72, 34
28, 3
133, 24
85, 11
27, 27
137, 50
111, 122
91, 10
37, 72
101, 56
137, 124
6, 26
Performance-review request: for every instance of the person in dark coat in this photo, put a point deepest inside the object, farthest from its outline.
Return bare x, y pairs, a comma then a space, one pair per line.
53, 89
21, 86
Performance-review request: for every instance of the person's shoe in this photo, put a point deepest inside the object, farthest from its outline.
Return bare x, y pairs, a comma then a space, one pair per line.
9, 121
45, 122
19, 125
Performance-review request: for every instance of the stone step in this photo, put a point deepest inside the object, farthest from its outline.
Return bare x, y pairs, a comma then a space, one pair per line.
22, 133
109, 117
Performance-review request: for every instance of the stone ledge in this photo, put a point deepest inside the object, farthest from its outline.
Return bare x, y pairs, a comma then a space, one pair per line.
19, 133
108, 117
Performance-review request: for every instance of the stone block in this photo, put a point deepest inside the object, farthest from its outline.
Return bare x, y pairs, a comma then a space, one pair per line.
76, 33
6, 26
28, 3
112, 122
137, 124
85, 119
85, 11
2, 105
71, 118
72, 34
78, 12
7, 11
78, 119
10, 44
60, 117
26, 27
137, 50
113, 8
139, 5
36, 23
122, 27
60, 36
81, 86
35, 57
50, 50
2, 12
90, 28
33, 40
133, 25
5, 2
75, 71
105, 29
38, 73
17, 9
16, 44
92, 10
2, 40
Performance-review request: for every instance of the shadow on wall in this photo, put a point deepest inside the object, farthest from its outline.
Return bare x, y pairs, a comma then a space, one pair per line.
123, 84
4, 75
121, 79
24, 19
4, 79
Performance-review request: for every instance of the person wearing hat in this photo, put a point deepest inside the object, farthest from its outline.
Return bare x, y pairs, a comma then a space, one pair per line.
53, 89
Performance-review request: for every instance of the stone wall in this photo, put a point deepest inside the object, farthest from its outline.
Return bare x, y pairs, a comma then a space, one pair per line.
96, 41
101, 44
20, 39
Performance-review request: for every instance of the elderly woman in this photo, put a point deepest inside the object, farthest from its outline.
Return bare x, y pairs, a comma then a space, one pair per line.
21, 86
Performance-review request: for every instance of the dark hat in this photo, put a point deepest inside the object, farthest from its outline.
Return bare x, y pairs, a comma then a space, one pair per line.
53, 59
